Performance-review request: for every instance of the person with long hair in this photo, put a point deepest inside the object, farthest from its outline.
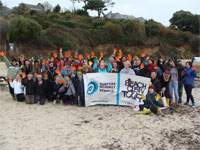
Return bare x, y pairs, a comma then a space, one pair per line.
188, 81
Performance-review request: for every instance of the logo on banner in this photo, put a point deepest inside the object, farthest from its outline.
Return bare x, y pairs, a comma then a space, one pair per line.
92, 88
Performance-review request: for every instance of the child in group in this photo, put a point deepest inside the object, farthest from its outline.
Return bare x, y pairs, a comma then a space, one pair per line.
40, 93
68, 90
30, 88
16, 84
115, 68
151, 102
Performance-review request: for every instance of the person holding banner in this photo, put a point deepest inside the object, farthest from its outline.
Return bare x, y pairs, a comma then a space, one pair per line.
127, 69
188, 81
79, 84
151, 102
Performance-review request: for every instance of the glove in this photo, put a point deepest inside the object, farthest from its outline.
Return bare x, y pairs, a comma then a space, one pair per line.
157, 97
2, 53
194, 68
9, 80
142, 96
23, 74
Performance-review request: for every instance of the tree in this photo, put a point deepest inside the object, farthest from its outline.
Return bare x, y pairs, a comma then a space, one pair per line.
186, 21
47, 6
20, 10
21, 28
99, 5
39, 4
151, 28
1, 4
57, 8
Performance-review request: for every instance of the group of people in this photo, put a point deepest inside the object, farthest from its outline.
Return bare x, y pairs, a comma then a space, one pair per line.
59, 79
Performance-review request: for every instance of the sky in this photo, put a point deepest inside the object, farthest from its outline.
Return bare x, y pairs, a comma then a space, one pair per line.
159, 10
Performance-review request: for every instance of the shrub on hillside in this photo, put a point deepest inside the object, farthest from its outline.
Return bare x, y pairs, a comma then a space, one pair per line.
3, 27
151, 28
53, 16
134, 31
21, 28
61, 38
81, 12
98, 23
115, 31
69, 24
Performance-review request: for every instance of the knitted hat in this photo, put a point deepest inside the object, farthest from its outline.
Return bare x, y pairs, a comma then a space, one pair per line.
79, 73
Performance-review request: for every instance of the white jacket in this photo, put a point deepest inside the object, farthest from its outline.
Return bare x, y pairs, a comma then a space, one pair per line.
18, 87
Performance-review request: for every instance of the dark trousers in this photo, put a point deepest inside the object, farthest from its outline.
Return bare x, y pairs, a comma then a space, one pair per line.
40, 99
68, 99
81, 101
20, 97
188, 90
49, 91
180, 91
11, 90
30, 99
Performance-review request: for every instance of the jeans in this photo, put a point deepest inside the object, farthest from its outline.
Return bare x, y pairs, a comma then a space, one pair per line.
188, 90
173, 85
180, 91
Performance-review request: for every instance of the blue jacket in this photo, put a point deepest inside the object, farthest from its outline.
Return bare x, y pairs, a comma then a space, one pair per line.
189, 76
95, 69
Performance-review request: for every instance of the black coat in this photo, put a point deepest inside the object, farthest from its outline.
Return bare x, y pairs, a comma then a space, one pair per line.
41, 89
30, 86
157, 85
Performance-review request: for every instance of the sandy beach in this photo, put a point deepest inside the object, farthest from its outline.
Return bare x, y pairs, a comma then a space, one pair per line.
60, 127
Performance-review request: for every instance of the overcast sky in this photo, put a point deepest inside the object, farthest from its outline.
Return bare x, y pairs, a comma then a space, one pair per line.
159, 10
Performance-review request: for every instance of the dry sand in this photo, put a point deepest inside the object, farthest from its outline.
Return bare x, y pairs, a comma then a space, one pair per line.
59, 127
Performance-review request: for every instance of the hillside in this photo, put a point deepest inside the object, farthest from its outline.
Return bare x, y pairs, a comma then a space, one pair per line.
71, 31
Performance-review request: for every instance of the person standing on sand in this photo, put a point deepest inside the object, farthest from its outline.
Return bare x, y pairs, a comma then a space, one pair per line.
188, 81
173, 84
13, 70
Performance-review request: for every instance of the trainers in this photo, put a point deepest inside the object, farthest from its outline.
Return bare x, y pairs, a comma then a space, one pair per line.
193, 105
61, 102
186, 103
54, 101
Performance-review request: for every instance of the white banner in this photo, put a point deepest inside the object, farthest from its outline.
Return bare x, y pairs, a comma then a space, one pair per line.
114, 89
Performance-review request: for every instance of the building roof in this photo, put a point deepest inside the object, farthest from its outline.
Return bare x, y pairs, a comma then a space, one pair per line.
34, 7
120, 16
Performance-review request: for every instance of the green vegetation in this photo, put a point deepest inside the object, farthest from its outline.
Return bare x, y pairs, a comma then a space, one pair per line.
76, 30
